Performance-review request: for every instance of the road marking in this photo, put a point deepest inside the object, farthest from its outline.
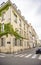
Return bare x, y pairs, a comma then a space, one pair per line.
21, 55
17, 55
39, 57
28, 56
2, 56
34, 56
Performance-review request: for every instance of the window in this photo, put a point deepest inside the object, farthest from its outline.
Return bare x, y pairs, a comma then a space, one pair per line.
20, 22
8, 42
20, 31
30, 32
24, 34
14, 41
20, 42
2, 27
16, 29
3, 16
2, 41
25, 43
24, 26
15, 17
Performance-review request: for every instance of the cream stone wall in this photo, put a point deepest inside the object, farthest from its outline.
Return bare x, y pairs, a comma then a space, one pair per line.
25, 32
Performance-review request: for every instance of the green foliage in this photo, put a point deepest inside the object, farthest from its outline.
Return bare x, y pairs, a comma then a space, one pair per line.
5, 7
3, 33
0, 27
8, 29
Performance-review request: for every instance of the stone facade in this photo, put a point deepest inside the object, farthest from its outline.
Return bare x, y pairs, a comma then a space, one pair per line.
10, 14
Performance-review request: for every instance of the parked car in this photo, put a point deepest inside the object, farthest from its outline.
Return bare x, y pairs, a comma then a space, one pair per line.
38, 51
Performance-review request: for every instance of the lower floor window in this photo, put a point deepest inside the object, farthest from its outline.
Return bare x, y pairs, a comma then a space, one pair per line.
14, 41
21, 43
8, 42
2, 42
17, 42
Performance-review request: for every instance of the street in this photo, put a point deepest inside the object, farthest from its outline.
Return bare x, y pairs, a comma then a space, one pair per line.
27, 57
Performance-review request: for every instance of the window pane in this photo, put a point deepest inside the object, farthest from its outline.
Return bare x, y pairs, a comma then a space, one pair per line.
15, 17
2, 28
14, 41
20, 42
2, 42
3, 18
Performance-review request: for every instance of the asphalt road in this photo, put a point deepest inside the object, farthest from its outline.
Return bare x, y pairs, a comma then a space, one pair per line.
27, 57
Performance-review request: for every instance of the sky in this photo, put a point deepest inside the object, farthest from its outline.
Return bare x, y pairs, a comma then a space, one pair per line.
31, 10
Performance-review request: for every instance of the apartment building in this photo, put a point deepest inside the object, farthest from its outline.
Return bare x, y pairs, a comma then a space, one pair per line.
32, 35
21, 36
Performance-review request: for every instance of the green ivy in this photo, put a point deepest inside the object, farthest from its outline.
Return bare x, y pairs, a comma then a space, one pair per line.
5, 7
3, 33
8, 29
0, 27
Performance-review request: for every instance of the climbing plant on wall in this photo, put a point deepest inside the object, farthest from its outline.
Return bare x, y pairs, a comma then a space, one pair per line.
6, 7
8, 29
